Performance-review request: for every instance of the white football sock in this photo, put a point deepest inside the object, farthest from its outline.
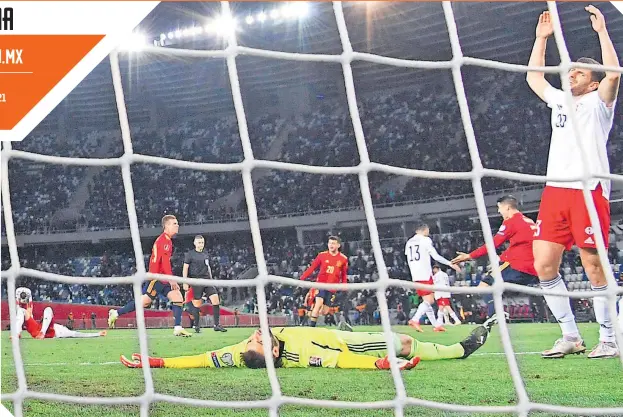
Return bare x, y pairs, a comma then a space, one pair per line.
602, 315
440, 316
19, 319
561, 309
430, 313
47, 319
421, 309
620, 316
78, 334
454, 316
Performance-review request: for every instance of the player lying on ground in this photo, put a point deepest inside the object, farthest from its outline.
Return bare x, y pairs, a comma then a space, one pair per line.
517, 261
302, 347
159, 263
563, 219
47, 329
333, 269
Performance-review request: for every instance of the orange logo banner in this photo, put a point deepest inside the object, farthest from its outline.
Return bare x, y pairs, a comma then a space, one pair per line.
31, 65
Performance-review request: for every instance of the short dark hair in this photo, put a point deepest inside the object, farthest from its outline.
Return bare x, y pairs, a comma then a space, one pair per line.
421, 226
436, 266
510, 200
198, 237
255, 360
166, 219
596, 75
336, 238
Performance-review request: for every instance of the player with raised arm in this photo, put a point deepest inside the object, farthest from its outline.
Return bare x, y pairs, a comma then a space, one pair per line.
517, 262
160, 263
442, 298
563, 218
299, 347
197, 265
333, 266
47, 329
419, 250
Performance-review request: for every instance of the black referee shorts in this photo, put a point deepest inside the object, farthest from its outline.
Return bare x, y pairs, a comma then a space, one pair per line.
198, 291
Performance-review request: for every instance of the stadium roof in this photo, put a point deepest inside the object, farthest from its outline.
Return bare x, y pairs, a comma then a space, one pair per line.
496, 31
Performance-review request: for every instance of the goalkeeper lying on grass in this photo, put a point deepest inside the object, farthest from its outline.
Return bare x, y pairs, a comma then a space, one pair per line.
302, 347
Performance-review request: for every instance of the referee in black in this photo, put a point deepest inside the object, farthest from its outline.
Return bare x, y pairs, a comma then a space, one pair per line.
197, 265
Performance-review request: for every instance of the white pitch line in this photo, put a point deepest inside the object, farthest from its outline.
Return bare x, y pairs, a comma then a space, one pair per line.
119, 363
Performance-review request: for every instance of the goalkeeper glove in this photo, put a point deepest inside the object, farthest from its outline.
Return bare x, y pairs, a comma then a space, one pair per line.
137, 362
403, 364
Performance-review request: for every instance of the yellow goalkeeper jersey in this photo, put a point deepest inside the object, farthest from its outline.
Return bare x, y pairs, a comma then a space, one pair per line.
303, 347
229, 356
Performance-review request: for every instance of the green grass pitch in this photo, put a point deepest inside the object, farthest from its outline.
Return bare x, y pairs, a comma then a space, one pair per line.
90, 367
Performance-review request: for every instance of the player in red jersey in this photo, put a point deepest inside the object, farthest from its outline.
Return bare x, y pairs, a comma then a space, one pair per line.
160, 263
47, 329
517, 262
333, 269
563, 217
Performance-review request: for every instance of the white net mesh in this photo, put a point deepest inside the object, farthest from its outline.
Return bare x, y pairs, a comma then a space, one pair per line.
523, 406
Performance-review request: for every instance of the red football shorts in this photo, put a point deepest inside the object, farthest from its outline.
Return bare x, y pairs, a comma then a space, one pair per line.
563, 217
34, 328
310, 297
422, 293
442, 302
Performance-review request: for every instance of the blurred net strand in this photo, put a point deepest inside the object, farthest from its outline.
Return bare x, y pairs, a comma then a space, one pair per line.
249, 195
287, 166
126, 137
523, 402
401, 393
524, 405
392, 282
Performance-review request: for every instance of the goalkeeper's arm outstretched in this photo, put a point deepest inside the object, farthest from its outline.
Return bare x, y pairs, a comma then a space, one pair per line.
302, 347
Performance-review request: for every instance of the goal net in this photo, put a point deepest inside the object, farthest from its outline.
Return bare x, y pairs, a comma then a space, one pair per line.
522, 407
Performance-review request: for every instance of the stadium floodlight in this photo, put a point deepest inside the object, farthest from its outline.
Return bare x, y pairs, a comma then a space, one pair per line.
261, 16
163, 37
249, 20
170, 35
301, 8
135, 42
178, 34
186, 32
197, 30
288, 10
224, 25
274, 14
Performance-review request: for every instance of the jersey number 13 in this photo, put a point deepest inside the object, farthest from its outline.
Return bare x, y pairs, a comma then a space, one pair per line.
414, 256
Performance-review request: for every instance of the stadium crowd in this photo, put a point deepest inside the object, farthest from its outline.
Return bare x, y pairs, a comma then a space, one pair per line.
415, 128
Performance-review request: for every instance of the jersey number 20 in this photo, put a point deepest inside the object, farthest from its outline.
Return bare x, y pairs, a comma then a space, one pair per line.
416, 256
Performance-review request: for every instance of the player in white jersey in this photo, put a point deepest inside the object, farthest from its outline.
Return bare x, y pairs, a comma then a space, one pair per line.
442, 298
419, 250
563, 217
47, 329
